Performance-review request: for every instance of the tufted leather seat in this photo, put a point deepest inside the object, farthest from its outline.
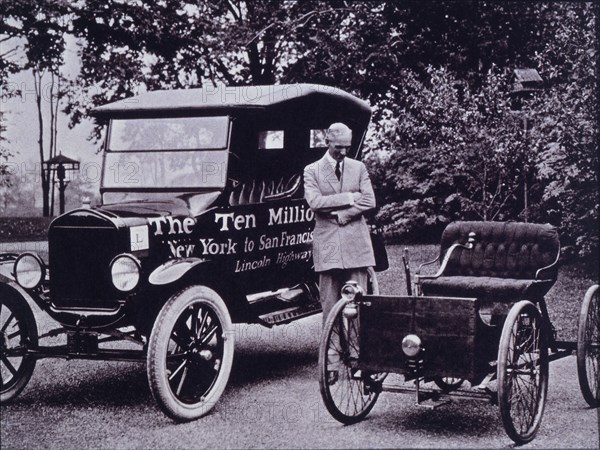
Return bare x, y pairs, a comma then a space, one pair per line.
508, 261
257, 190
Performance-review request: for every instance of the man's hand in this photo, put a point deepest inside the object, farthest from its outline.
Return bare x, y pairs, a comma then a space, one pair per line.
343, 218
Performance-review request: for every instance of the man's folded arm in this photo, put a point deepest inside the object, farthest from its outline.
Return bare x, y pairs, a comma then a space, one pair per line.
324, 203
363, 202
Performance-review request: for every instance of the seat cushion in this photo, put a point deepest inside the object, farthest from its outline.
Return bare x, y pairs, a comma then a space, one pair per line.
486, 288
501, 249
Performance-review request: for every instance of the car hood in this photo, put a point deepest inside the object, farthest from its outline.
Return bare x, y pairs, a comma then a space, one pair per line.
175, 207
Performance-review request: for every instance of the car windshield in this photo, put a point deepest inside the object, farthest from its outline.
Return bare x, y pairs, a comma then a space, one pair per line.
174, 153
175, 133
156, 170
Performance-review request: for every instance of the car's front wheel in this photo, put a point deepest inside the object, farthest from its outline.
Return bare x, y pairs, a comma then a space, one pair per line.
190, 353
18, 333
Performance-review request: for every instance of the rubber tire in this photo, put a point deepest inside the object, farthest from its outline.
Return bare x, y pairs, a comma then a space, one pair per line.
158, 348
505, 382
28, 338
587, 323
346, 417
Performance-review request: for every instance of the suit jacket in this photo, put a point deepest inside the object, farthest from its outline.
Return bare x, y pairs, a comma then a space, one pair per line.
335, 246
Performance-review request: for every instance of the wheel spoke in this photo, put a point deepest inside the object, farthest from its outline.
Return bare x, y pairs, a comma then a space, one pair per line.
194, 313
346, 397
5, 325
14, 335
592, 346
202, 325
523, 371
179, 341
182, 380
9, 365
18, 331
209, 334
176, 371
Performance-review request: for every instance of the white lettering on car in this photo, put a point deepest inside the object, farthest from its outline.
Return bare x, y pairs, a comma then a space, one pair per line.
239, 222
172, 225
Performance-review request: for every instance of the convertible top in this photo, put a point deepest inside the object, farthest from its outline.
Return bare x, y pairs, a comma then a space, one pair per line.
219, 98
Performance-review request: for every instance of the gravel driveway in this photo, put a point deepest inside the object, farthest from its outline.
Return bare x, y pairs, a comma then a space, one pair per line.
272, 401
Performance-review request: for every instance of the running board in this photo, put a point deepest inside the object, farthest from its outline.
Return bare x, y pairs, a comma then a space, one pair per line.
290, 314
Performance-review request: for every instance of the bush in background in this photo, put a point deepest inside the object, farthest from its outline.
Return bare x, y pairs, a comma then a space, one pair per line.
24, 228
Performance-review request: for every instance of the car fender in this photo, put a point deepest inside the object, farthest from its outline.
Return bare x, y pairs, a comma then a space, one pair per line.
8, 284
173, 270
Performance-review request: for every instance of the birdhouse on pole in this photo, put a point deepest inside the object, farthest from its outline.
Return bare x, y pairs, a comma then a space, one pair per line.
61, 164
525, 82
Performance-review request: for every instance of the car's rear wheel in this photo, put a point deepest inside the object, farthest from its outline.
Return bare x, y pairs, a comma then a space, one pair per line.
190, 353
18, 332
588, 348
522, 372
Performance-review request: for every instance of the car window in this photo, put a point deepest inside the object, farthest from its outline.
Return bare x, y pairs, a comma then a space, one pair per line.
317, 138
270, 139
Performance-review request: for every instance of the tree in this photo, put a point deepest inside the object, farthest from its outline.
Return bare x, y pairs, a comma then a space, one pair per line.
18, 198
445, 145
41, 25
566, 137
128, 47
454, 154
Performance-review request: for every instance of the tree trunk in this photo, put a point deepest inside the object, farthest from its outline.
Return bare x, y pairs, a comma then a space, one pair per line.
37, 79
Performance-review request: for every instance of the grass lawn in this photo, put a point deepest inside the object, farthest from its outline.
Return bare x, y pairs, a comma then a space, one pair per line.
563, 300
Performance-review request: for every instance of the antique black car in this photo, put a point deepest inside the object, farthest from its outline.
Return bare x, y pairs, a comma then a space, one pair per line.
202, 224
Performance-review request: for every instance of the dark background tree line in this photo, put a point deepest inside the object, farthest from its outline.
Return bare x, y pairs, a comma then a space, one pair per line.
445, 142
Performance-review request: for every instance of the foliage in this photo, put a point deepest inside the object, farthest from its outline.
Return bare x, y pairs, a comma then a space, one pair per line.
13, 229
455, 150
5, 154
445, 143
130, 47
41, 27
17, 196
453, 154
566, 137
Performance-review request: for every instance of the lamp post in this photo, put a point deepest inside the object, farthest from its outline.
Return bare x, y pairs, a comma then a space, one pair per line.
60, 164
525, 83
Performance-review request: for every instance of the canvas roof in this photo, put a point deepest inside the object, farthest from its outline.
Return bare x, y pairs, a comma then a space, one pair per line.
224, 97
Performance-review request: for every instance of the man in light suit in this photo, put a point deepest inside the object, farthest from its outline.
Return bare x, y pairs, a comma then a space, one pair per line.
339, 191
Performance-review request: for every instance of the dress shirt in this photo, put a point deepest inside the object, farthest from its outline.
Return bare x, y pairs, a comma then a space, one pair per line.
333, 163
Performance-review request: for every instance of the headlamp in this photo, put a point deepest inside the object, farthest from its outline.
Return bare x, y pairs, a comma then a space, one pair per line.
411, 345
350, 290
29, 270
125, 272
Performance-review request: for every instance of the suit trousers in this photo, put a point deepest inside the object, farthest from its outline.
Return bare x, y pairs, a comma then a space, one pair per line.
332, 281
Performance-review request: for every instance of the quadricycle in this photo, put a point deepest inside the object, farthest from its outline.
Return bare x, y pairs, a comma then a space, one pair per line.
478, 328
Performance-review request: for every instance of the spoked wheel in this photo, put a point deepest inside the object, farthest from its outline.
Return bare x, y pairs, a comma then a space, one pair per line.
349, 393
190, 353
588, 348
522, 372
18, 332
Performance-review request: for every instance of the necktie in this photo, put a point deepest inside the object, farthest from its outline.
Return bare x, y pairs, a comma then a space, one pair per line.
338, 172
